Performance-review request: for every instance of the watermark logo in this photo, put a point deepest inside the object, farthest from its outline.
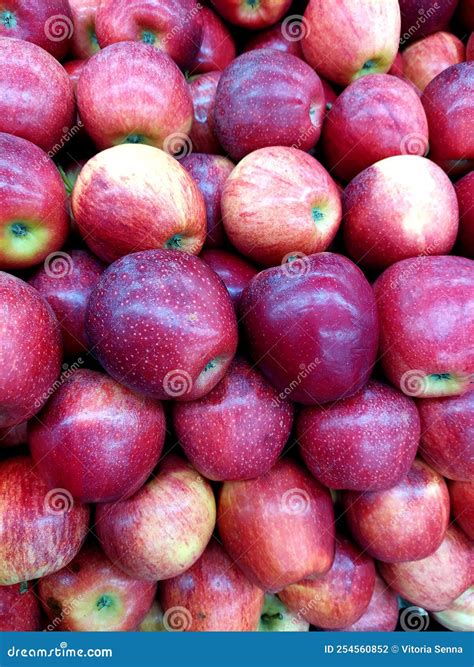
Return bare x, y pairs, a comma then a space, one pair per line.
294, 28
178, 145
177, 619
295, 264
58, 265
177, 382
58, 28
414, 619
413, 383
58, 502
295, 502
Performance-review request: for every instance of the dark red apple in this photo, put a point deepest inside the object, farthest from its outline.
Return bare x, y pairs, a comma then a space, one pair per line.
84, 40
465, 14
367, 441
247, 426
397, 67
382, 613
470, 47
465, 193
41, 528
426, 58
268, 98
312, 327
250, 14
13, 436
74, 69
340, 596
19, 609
284, 36
423, 17
234, 271
462, 505
134, 93
203, 93
26, 71
212, 596
278, 528
426, 328
163, 529
217, 47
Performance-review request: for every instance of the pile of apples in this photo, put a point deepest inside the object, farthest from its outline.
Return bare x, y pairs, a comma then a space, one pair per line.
236, 314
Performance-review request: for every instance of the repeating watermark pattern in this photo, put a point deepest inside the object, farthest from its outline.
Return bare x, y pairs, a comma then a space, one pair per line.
177, 28
68, 370
177, 382
413, 383
304, 136
177, 619
295, 264
411, 268
58, 28
305, 370
295, 502
63, 613
58, 502
178, 145
58, 264
68, 134
294, 28
414, 619
423, 16
414, 143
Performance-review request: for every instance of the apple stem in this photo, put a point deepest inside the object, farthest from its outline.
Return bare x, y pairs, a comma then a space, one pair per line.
104, 602
19, 229
8, 19
148, 37
317, 214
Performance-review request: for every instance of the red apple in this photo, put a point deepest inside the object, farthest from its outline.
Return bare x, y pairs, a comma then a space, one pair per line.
84, 40
210, 172
447, 435
448, 105
66, 282
374, 118
465, 14
403, 206
347, 39
268, 98
278, 528
234, 271
423, 17
425, 59
291, 182
97, 439
203, 93
382, 613
33, 215
403, 523
364, 442
462, 505
312, 327
426, 330
250, 14
436, 581
173, 26
459, 616
247, 426
134, 93
212, 596
92, 594
41, 529
46, 24
284, 36
217, 47
131, 198
162, 323
470, 47
340, 596
163, 529
465, 193
74, 69
397, 67
276, 617
153, 621
14, 436
19, 609
26, 72
30, 351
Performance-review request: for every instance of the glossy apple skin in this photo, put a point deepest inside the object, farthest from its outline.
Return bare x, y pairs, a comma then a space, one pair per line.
19, 609
447, 435
47, 24
97, 439
133, 197
13, 436
246, 15
234, 271
74, 69
84, 40
174, 26
347, 39
294, 184
465, 193
367, 441
210, 173
447, 100
203, 131
329, 355
404, 523
154, 106
39, 533
374, 118
68, 293
382, 613
426, 58
162, 323
33, 215
459, 616
340, 596
163, 529
434, 582
246, 426
403, 206
423, 354
268, 98
278, 528
216, 595
217, 47
462, 505
274, 38
30, 351
26, 71
277, 618
421, 17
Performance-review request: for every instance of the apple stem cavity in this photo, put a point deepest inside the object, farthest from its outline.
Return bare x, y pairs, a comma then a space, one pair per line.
19, 230
23, 587
148, 37
104, 602
8, 19
253, 4
134, 139
174, 243
317, 214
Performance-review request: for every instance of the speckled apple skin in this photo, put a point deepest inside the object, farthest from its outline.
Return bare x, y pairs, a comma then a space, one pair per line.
434, 582
217, 595
203, 89
373, 118
274, 38
19, 609
382, 613
234, 271
249, 15
36, 538
97, 438
160, 317
30, 350
80, 586
367, 441
246, 426
268, 98
217, 47
278, 528
26, 71
428, 57
404, 523
458, 617
340, 596
164, 528
447, 435
155, 106
462, 505
425, 307
84, 41
133, 197
316, 327
465, 193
